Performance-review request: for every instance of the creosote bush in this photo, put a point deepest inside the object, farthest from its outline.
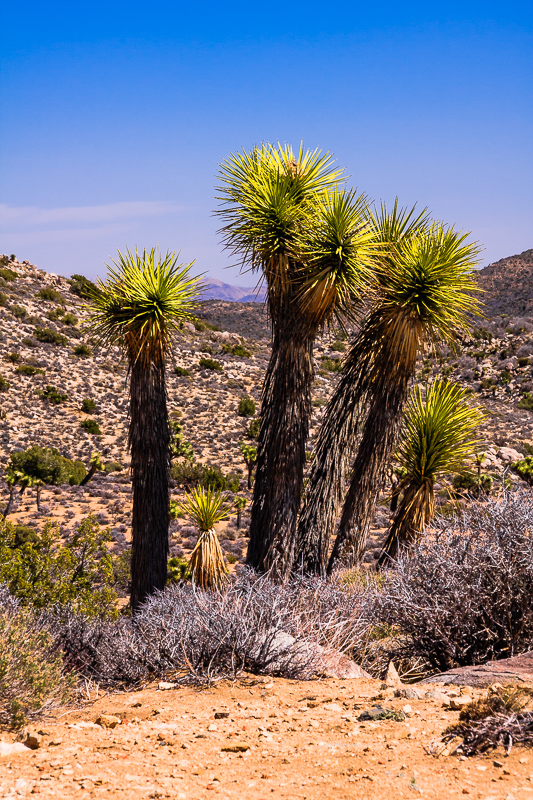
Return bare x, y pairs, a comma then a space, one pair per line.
246, 406
462, 595
48, 336
4, 384
27, 369
210, 363
182, 372
18, 311
82, 351
51, 294
91, 426
53, 395
88, 406
8, 274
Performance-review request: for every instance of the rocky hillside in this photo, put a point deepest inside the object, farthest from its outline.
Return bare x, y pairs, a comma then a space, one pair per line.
43, 343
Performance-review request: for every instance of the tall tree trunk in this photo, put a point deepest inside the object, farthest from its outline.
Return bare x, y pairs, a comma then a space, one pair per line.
9, 506
148, 439
378, 440
88, 477
414, 512
335, 445
38, 497
285, 412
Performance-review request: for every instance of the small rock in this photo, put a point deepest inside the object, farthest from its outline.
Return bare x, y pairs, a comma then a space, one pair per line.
212, 727
11, 749
392, 678
108, 721
407, 710
457, 703
497, 763
165, 687
221, 714
409, 693
33, 740
236, 747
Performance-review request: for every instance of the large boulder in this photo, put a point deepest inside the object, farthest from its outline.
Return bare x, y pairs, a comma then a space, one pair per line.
516, 671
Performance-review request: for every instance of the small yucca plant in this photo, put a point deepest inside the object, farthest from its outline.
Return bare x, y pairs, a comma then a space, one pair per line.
438, 438
206, 507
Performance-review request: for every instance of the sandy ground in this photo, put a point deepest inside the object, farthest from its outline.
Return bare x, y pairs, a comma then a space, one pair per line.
266, 738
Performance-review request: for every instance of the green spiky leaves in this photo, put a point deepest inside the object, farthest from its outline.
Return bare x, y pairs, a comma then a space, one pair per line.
439, 432
142, 302
206, 507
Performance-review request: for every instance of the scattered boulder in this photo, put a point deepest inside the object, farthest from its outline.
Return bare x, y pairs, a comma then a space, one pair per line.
516, 671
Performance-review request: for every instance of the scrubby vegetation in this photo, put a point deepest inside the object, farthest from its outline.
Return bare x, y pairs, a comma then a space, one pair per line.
48, 336
91, 426
210, 363
246, 406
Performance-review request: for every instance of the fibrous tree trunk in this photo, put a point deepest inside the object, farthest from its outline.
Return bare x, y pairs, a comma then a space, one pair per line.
88, 477
286, 408
414, 511
9, 506
148, 439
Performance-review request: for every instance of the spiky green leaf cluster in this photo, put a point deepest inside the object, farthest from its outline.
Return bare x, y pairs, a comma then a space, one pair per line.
206, 507
439, 433
142, 302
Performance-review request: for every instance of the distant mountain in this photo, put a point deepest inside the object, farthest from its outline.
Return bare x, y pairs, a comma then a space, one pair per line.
508, 285
217, 290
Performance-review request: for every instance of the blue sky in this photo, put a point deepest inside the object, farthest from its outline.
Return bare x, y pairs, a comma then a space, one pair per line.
115, 115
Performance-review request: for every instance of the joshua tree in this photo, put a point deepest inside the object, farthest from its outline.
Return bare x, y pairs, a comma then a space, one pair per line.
206, 564
240, 505
138, 308
249, 453
12, 478
438, 437
95, 464
426, 288
286, 219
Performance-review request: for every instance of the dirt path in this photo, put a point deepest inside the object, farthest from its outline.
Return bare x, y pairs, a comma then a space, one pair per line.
257, 739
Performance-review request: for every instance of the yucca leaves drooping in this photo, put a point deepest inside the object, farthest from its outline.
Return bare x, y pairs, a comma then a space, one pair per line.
138, 307
425, 295
278, 208
438, 437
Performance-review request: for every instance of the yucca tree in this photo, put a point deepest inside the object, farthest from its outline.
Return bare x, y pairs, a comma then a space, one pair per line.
138, 307
286, 218
345, 411
425, 296
95, 464
206, 564
438, 437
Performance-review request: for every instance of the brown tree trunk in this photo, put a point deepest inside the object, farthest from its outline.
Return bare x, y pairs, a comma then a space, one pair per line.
286, 408
9, 506
148, 439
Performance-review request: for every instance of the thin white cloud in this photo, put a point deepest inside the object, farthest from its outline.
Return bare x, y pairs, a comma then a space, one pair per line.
31, 217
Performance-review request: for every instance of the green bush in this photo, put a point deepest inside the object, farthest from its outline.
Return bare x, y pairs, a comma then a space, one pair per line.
18, 311
69, 319
202, 325
88, 406
8, 274
469, 483
246, 406
526, 401
210, 363
14, 358
254, 428
78, 572
29, 342
27, 369
182, 372
177, 570
338, 346
82, 351
48, 336
56, 314
4, 384
48, 465
190, 473
48, 293
82, 286
505, 376
179, 447
91, 426
31, 671
524, 468
53, 395
236, 350
331, 364
523, 362
113, 466
3, 299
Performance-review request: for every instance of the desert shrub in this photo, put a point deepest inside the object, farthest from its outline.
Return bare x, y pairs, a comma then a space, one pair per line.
91, 426
210, 363
55, 314
254, 428
8, 274
3, 299
462, 595
191, 473
4, 384
236, 350
338, 347
82, 286
202, 325
505, 376
48, 465
331, 364
53, 395
526, 401
78, 572
524, 468
88, 406
113, 466
177, 570
474, 485
27, 369
523, 362
179, 447
28, 341
51, 294
18, 311
69, 319
31, 669
48, 336
14, 357
253, 626
246, 406
182, 372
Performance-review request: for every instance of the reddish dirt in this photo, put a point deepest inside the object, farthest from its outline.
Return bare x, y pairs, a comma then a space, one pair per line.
304, 740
